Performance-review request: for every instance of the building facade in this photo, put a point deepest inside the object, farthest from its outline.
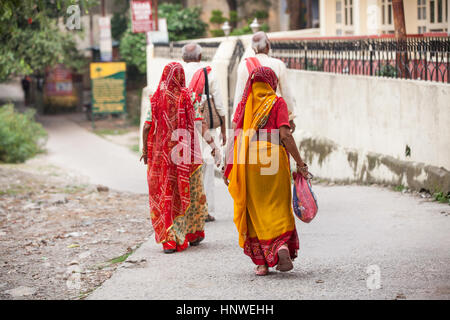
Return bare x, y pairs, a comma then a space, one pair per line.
376, 17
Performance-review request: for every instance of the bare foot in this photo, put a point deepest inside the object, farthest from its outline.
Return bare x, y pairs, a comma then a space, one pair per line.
262, 270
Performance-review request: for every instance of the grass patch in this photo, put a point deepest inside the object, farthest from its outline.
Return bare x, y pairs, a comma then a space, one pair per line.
120, 259
441, 197
71, 189
15, 190
399, 188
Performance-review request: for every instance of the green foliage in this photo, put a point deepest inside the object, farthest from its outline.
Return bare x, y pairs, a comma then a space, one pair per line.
119, 25
20, 136
133, 49
247, 30
217, 17
217, 33
233, 17
265, 27
441, 197
388, 71
261, 14
182, 23
241, 31
31, 40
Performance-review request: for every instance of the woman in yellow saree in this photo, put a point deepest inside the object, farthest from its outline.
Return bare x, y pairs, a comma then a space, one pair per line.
258, 175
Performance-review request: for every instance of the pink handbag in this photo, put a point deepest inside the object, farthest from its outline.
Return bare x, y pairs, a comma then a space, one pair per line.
303, 199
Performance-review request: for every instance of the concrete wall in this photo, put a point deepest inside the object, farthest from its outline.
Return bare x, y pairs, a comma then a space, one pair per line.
355, 128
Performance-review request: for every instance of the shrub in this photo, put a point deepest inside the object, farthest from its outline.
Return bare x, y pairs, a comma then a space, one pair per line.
388, 71
133, 49
182, 23
217, 33
21, 137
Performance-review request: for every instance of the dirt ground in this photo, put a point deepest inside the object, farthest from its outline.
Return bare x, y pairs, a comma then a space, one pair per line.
61, 238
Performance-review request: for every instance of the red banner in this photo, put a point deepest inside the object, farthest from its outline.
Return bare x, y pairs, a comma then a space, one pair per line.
141, 14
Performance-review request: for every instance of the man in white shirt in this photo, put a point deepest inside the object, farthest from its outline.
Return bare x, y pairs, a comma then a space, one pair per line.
261, 46
192, 55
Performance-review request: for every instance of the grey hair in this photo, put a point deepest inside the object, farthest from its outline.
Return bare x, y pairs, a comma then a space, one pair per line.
260, 41
191, 52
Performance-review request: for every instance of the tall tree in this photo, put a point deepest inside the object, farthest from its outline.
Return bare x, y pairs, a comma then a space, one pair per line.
399, 19
400, 34
233, 7
31, 39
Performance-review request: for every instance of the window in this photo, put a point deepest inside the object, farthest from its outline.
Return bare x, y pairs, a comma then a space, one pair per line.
387, 16
422, 30
348, 12
438, 15
438, 11
422, 15
338, 12
344, 17
422, 9
386, 12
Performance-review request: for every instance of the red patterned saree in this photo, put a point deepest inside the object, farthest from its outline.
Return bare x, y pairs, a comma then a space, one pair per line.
171, 153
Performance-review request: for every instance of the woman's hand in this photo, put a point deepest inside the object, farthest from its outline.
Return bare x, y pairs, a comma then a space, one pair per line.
216, 154
225, 179
144, 157
292, 125
302, 168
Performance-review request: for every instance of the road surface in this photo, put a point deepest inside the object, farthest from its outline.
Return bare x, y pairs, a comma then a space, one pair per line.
361, 237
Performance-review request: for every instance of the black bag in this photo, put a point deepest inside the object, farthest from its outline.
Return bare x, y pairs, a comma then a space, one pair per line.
210, 114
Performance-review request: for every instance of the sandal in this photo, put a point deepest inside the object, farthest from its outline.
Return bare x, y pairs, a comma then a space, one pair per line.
284, 259
169, 247
182, 247
195, 238
262, 270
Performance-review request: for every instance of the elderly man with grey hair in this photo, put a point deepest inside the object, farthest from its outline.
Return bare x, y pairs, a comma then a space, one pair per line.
261, 46
192, 55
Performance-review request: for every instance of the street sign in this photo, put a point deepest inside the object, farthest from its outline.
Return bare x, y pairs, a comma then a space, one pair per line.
141, 16
108, 87
160, 36
105, 39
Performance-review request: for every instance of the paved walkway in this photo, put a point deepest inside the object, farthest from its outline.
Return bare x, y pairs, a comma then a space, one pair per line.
406, 237
85, 153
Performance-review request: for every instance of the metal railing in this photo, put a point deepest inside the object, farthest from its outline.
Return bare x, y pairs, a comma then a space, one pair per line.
172, 50
421, 58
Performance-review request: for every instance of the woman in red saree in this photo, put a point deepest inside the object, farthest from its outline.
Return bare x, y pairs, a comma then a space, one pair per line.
178, 206
261, 189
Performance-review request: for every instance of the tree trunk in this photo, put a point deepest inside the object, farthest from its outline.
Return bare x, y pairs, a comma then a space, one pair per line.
400, 34
233, 6
295, 11
399, 19
309, 14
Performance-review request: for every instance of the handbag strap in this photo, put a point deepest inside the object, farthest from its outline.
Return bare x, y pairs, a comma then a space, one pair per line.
211, 120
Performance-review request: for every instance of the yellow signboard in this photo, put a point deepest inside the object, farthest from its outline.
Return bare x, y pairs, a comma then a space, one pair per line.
108, 87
